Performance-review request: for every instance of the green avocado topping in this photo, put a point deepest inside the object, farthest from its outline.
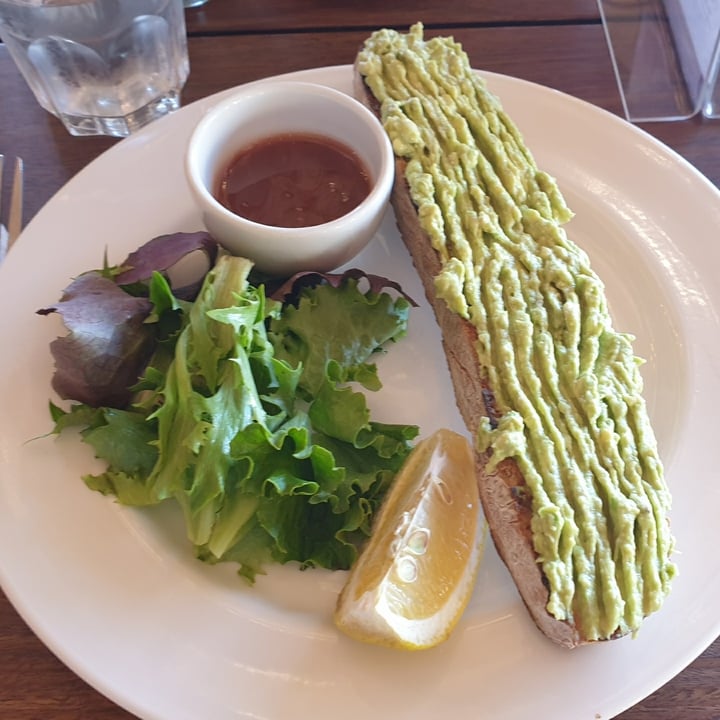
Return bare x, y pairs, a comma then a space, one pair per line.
567, 385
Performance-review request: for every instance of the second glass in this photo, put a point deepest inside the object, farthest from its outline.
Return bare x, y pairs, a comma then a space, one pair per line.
104, 67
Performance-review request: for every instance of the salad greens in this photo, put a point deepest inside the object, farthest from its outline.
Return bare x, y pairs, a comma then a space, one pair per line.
245, 414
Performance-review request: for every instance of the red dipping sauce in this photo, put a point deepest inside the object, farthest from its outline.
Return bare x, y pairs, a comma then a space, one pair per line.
294, 180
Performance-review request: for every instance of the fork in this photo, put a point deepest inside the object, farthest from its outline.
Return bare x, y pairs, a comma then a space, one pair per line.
9, 234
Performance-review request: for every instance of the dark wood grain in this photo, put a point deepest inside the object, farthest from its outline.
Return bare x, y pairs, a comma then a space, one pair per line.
566, 55
223, 16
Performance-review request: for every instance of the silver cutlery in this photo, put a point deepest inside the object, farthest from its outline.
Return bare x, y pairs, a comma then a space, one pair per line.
13, 212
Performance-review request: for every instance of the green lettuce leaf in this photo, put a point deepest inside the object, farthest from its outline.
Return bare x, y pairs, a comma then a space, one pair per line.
342, 326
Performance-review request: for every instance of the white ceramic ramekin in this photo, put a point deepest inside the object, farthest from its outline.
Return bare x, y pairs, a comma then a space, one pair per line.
262, 110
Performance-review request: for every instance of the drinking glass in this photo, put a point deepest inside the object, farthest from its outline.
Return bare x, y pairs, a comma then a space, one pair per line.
104, 67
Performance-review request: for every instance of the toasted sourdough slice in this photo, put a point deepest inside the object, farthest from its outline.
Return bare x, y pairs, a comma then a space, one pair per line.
503, 491
607, 580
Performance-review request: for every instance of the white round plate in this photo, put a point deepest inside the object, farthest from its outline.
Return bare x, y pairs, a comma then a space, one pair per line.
116, 592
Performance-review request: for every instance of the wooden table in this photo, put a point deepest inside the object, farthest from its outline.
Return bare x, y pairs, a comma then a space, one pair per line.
558, 43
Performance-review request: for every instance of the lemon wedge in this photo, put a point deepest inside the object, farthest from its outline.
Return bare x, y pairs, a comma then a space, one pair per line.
413, 579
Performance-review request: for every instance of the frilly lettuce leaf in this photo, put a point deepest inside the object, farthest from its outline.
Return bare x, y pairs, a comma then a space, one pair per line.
332, 331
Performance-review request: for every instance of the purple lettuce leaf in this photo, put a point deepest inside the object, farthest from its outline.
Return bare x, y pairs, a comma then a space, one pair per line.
108, 344
163, 252
290, 289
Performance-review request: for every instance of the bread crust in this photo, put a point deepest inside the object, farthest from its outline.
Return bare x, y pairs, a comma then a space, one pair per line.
504, 494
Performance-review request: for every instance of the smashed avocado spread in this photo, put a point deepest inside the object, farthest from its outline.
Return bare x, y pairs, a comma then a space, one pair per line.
566, 384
